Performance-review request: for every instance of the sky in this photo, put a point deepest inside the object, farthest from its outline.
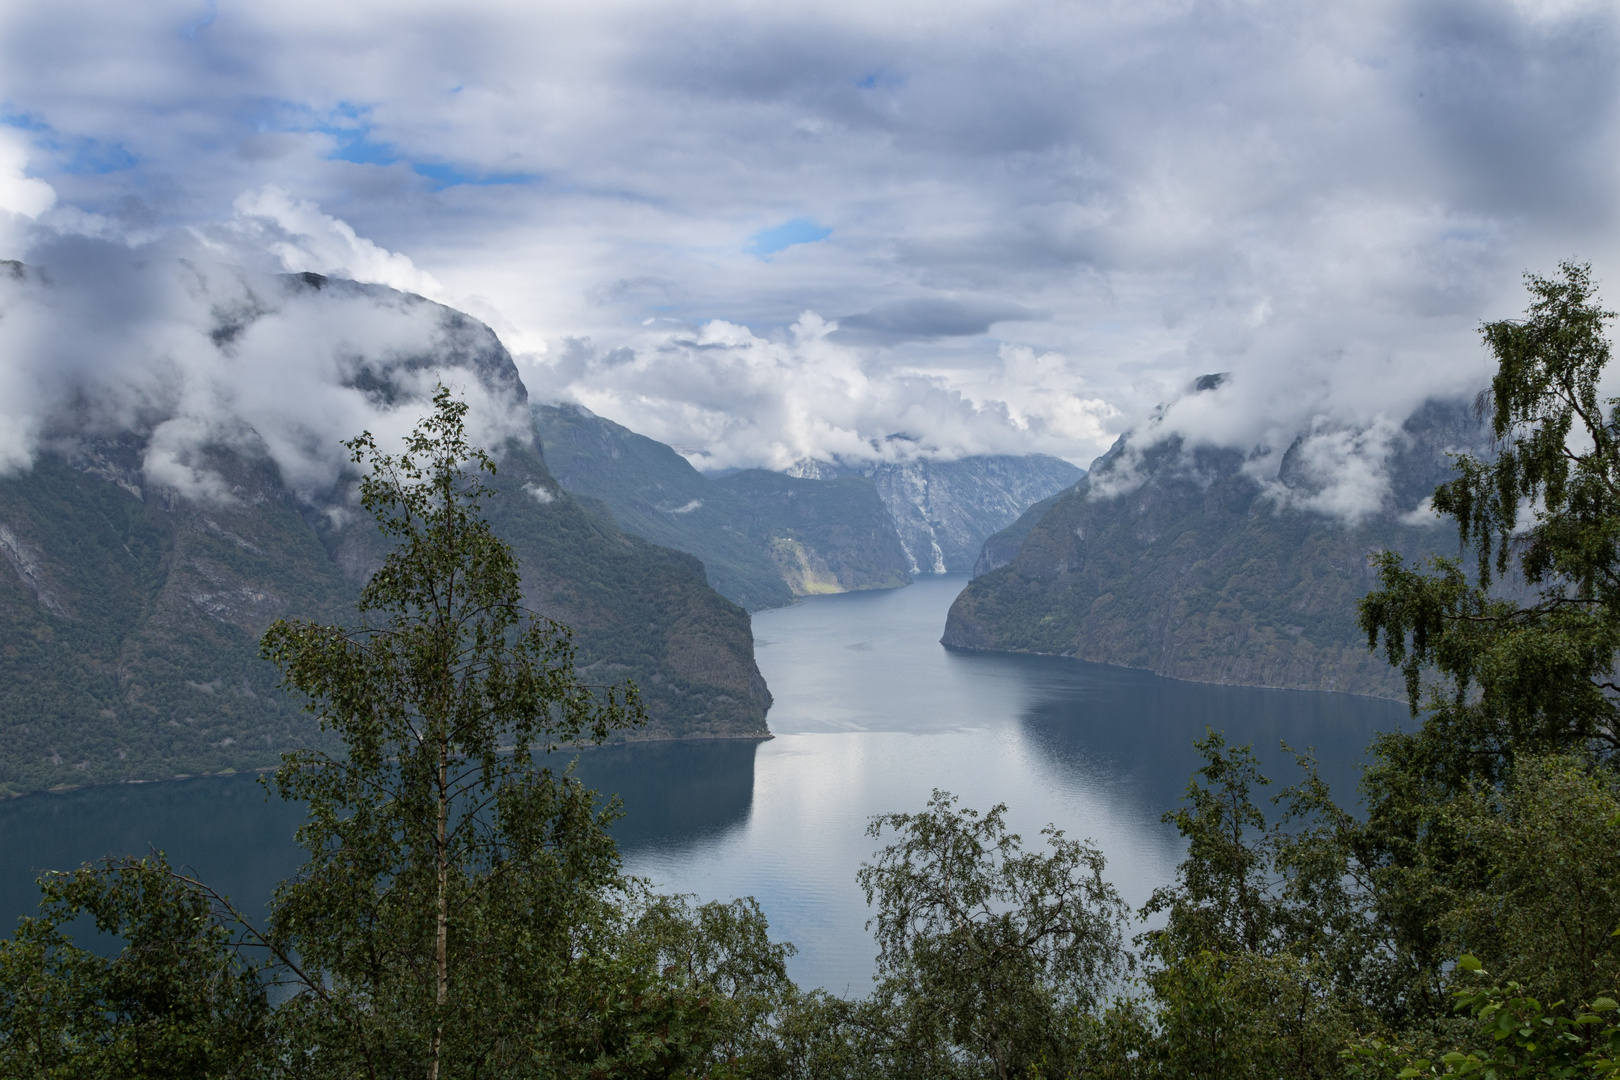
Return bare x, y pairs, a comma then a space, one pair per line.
763, 232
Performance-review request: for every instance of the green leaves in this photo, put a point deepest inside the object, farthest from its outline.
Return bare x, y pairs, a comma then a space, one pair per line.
1513, 1035
453, 884
986, 951
178, 999
1522, 677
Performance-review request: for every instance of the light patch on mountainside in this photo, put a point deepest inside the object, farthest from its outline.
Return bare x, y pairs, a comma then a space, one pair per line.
805, 574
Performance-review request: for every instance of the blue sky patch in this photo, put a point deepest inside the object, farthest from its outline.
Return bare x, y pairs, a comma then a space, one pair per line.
444, 176
72, 155
202, 22
352, 132
881, 78
23, 121
788, 234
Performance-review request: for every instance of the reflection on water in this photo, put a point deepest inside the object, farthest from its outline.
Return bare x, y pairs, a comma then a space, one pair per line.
1133, 724
871, 715
222, 828
675, 794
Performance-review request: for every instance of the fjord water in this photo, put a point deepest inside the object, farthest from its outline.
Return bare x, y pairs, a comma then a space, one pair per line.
871, 715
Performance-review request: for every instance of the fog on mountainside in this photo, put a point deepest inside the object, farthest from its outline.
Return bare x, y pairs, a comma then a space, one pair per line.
179, 484
1188, 561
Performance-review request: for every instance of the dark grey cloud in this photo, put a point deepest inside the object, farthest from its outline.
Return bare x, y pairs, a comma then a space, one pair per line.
925, 318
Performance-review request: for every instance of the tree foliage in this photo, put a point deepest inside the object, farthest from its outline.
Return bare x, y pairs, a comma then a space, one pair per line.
1534, 677
986, 950
440, 851
463, 911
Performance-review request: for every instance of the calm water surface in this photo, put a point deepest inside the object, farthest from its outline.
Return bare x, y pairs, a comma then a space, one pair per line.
871, 715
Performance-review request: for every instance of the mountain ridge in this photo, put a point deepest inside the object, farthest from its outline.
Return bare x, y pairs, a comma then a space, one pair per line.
130, 611
1196, 569
760, 555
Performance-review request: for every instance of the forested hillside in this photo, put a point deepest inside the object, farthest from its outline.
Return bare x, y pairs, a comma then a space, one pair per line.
825, 536
654, 492
940, 511
1191, 567
130, 612
763, 537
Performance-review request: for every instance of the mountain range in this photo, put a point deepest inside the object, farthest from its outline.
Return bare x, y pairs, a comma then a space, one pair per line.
1185, 561
944, 510
130, 618
766, 537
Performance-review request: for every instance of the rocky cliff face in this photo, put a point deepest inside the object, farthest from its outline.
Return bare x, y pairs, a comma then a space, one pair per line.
130, 611
944, 511
1184, 562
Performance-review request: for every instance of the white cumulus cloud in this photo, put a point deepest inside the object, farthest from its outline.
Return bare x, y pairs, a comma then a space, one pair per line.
303, 238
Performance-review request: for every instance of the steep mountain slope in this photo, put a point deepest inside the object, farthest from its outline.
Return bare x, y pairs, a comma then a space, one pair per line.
825, 536
130, 611
1186, 564
941, 511
945, 510
655, 493
1001, 548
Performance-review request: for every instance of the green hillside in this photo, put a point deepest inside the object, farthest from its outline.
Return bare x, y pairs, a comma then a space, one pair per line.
130, 616
825, 536
655, 493
1196, 572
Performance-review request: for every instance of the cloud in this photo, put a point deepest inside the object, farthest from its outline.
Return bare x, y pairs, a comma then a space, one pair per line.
1339, 472
932, 317
98, 338
732, 398
22, 197
303, 239
1050, 217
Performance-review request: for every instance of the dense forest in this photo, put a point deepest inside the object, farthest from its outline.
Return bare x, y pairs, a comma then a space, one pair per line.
462, 912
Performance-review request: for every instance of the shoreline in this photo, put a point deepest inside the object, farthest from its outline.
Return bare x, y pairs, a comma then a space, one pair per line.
262, 770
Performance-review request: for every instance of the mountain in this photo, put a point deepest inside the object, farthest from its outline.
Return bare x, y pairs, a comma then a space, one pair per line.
653, 492
130, 608
1001, 548
1182, 561
824, 536
940, 511
945, 510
